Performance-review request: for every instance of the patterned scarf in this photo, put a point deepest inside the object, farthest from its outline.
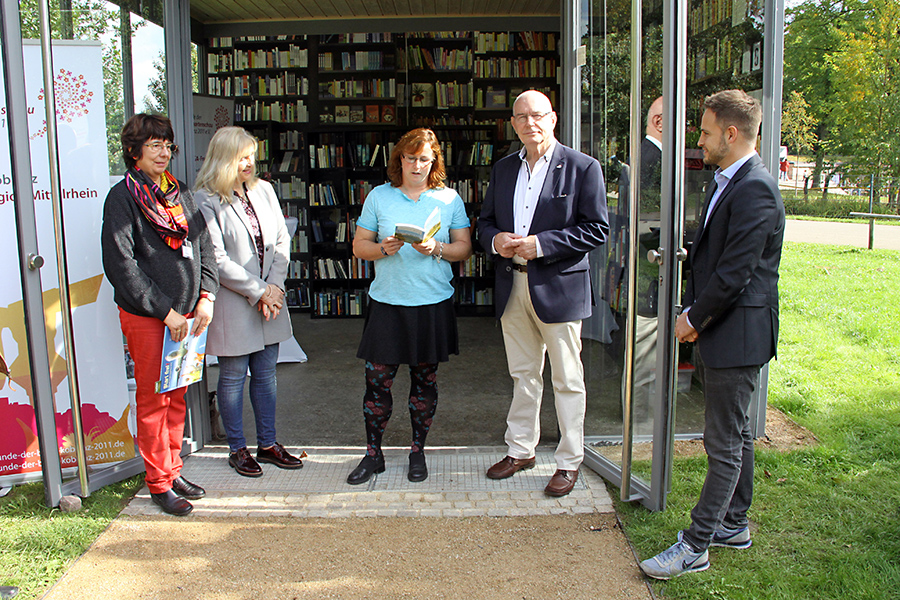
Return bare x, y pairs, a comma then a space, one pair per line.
162, 208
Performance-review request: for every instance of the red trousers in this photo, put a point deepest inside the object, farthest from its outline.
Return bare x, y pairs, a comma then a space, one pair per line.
160, 417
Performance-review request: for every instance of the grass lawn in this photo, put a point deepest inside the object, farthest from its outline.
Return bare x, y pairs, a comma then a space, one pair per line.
38, 544
826, 519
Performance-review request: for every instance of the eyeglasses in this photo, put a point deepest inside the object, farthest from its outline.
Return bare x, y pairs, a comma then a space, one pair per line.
412, 160
532, 116
157, 147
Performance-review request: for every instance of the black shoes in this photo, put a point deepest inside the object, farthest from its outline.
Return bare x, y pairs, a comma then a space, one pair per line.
172, 503
418, 471
278, 456
188, 490
368, 466
242, 462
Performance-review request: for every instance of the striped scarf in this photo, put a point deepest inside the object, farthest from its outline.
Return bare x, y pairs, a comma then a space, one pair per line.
162, 208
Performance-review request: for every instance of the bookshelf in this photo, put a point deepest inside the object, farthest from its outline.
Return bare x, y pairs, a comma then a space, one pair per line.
328, 108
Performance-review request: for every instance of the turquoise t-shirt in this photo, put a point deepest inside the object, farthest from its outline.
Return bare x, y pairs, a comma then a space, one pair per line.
409, 278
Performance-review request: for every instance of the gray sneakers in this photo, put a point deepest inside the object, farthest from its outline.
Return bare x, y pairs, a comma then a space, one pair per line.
732, 538
677, 560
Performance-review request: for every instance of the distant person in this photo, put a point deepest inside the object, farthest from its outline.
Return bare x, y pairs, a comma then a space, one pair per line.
159, 258
252, 254
731, 313
545, 209
411, 318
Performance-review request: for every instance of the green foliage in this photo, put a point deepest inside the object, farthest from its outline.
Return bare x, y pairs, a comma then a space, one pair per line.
867, 88
825, 520
796, 205
38, 544
797, 124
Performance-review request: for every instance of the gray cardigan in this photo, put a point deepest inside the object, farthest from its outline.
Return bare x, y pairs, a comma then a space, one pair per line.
238, 327
148, 277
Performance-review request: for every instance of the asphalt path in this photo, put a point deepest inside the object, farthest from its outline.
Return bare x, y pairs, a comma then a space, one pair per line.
886, 237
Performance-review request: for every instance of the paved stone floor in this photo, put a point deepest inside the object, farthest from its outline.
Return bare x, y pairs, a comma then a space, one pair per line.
456, 487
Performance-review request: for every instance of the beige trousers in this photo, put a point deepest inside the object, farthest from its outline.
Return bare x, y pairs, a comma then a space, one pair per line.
528, 340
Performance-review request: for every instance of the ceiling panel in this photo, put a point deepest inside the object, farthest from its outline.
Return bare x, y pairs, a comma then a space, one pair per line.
237, 11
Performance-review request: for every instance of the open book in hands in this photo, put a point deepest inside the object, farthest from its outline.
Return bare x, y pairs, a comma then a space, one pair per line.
413, 234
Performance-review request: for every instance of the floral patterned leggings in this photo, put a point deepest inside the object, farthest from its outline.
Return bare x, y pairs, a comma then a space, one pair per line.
378, 403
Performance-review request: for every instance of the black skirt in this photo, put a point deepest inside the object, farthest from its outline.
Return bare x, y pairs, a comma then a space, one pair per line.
409, 335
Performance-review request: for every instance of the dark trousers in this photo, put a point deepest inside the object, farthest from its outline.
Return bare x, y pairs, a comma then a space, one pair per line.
728, 489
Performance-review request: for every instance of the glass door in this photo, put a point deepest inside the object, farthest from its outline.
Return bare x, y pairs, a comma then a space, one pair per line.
630, 123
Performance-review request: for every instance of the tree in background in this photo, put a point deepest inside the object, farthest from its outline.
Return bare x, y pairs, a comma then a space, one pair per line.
867, 90
797, 127
812, 37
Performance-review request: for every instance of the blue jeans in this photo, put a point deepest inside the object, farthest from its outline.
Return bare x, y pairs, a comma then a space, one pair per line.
728, 489
263, 386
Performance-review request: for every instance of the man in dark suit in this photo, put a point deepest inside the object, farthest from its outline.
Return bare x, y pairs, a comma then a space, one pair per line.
731, 312
544, 210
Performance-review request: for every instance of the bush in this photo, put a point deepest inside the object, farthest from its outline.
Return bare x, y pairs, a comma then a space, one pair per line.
836, 208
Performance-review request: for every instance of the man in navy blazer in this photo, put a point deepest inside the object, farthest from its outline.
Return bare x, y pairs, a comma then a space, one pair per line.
731, 313
544, 210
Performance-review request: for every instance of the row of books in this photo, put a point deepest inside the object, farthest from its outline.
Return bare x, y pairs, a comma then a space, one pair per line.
291, 140
228, 41
361, 60
470, 191
439, 59
298, 269
707, 13
356, 38
334, 268
358, 113
356, 88
499, 66
358, 190
323, 194
286, 84
262, 149
477, 265
218, 63
364, 155
326, 156
298, 296
337, 303
281, 112
293, 210
293, 56
300, 241
468, 293
289, 163
293, 188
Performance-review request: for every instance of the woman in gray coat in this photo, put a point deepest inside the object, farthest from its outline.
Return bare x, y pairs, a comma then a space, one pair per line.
252, 247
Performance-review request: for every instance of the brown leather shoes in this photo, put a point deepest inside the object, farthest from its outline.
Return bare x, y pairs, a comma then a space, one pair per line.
508, 467
279, 457
561, 483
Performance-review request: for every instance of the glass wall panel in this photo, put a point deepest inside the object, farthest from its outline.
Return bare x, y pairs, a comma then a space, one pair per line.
92, 78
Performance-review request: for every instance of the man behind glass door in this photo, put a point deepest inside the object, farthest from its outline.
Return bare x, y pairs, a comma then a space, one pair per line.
731, 301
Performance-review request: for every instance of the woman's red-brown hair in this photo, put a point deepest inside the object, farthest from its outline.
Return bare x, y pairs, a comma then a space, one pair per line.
412, 143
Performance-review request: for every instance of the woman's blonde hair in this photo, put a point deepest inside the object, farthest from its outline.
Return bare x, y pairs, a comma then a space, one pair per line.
220, 169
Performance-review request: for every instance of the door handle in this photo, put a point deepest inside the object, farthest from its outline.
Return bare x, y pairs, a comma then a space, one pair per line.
656, 256
681, 255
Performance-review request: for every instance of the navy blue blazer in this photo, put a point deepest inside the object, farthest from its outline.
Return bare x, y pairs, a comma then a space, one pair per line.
569, 221
732, 289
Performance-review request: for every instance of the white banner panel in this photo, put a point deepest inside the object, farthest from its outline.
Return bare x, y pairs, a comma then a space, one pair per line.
84, 176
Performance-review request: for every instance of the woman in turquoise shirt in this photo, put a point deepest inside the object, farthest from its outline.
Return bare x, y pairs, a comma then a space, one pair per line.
410, 319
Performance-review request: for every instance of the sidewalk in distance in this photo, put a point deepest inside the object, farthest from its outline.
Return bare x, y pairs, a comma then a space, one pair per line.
306, 534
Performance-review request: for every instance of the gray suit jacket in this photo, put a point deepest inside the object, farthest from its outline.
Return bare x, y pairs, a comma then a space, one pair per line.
237, 327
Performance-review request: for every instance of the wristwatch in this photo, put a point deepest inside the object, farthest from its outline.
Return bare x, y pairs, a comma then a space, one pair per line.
208, 295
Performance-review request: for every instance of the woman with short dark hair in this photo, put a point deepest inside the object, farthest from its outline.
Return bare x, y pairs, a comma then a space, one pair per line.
159, 258
411, 317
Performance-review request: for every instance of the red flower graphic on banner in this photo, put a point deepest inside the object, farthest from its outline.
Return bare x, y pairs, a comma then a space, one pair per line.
221, 118
72, 98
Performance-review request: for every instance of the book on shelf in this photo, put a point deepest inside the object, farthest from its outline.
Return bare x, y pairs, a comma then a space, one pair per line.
182, 362
414, 234
388, 113
374, 155
372, 113
286, 161
342, 114
357, 114
422, 94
